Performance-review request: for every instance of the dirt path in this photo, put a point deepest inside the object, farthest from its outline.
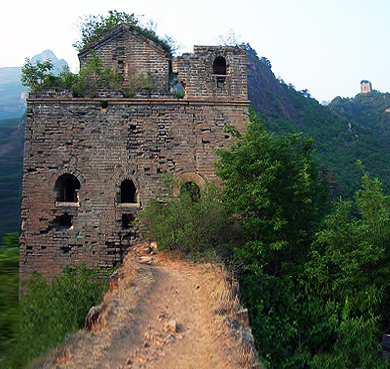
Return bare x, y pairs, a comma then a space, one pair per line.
161, 315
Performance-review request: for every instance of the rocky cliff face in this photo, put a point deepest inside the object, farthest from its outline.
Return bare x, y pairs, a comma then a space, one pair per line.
265, 92
49, 55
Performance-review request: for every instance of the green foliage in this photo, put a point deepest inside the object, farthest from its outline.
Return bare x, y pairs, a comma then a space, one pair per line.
193, 222
175, 87
350, 265
48, 312
179, 94
94, 76
39, 75
10, 239
331, 314
94, 27
272, 184
144, 81
9, 298
34, 76
316, 287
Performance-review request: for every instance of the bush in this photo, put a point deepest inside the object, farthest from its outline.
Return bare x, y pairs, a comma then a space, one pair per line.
92, 77
9, 298
272, 186
48, 312
192, 222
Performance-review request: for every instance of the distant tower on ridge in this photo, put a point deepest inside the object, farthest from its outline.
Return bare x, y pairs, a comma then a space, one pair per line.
365, 86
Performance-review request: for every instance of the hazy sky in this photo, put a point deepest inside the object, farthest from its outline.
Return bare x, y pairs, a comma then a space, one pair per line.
325, 46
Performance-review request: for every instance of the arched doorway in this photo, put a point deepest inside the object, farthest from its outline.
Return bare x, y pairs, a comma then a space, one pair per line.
192, 189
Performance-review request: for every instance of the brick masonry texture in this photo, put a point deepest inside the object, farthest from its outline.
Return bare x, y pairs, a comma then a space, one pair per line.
103, 142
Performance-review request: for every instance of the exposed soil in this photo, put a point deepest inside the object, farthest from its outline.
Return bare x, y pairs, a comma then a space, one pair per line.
163, 313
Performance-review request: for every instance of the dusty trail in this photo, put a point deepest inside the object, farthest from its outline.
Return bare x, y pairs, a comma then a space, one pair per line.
161, 316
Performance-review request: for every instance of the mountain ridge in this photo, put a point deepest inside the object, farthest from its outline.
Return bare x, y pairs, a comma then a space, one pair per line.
344, 131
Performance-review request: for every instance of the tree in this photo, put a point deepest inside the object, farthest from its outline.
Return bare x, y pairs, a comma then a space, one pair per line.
272, 184
316, 286
34, 76
350, 268
93, 27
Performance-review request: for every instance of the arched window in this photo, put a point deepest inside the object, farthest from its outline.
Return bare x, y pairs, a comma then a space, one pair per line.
128, 192
67, 188
219, 66
192, 189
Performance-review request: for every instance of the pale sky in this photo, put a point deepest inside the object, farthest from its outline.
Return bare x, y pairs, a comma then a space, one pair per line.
324, 46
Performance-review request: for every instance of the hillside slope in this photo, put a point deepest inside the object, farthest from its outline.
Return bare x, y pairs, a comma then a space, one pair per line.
345, 131
12, 93
165, 313
12, 121
11, 172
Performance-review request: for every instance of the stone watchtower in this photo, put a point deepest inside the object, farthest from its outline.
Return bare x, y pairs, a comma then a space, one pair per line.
91, 163
365, 87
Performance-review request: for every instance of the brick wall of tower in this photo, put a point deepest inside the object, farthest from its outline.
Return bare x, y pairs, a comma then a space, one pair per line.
195, 72
131, 54
137, 139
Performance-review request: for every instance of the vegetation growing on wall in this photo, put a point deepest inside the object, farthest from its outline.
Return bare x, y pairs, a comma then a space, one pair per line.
94, 27
92, 77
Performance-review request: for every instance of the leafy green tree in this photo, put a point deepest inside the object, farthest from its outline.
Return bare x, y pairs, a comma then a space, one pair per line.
93, 27
33, 76
94, 76
350, 267
316, 287
272, 184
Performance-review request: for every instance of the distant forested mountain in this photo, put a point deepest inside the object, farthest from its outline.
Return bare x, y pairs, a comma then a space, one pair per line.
12, 112
347, 130
12, 94
11, 159
12, 120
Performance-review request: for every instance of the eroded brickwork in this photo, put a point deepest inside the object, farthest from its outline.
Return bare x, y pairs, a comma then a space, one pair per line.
80, 152
145, 66
202, 77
